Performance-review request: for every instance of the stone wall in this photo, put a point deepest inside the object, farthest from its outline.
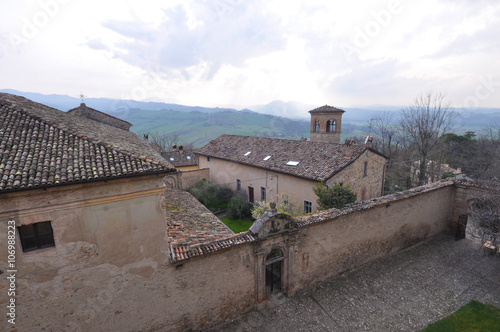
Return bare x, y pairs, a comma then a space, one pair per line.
368, 186
323, 135
190, 177
110, 269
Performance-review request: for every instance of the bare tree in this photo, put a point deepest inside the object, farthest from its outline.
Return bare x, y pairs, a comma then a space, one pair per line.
482, 157
384, 131
422, 124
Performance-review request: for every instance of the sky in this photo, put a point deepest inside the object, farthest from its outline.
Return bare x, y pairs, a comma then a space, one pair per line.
235, 53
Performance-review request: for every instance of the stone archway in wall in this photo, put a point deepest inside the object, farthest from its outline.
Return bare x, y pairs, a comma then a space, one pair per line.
172, 181
274, 255
274, 271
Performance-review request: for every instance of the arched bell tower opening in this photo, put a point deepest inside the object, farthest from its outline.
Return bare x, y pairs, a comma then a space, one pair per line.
326, 124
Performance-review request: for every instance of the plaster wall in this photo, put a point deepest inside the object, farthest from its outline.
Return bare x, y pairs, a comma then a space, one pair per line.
109, 269
276, 184
328, 248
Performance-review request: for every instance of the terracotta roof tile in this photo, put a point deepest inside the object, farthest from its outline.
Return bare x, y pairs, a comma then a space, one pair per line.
193, 230
178, 159
318, 161
327, 109
42, 146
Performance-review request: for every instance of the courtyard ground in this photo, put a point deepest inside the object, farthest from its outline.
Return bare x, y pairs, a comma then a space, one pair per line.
402, 292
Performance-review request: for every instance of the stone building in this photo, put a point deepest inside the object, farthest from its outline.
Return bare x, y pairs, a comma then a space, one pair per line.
326, 124
181, 159
105, 242
287, 170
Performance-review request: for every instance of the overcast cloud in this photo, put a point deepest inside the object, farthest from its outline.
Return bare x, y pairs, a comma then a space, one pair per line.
240, 53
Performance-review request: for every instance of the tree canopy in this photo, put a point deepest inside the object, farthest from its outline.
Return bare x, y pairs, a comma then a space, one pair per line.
334, 196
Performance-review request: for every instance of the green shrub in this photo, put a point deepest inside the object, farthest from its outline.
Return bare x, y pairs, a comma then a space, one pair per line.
238, 208
214, 196
447, 175
335, 196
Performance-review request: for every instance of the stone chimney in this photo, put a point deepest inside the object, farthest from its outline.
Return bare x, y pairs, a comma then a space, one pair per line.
349, 148
369, 141
181, 149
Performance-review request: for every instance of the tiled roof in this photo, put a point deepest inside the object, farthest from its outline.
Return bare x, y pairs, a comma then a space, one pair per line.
178, 159
193, 230
42, 146
84, 110
326, 109
182, 252
189, 222
318, 161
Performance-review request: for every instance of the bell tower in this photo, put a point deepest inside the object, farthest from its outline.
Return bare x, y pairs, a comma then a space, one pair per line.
326, 124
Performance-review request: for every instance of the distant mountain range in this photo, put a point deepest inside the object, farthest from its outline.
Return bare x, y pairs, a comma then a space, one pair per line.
198, 125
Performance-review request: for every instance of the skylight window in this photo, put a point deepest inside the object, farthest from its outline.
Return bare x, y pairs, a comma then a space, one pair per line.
171, 159
188, 157
248, 153
292, 163
266, 158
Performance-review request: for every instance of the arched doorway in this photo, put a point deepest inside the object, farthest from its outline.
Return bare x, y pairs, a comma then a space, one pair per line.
274, 269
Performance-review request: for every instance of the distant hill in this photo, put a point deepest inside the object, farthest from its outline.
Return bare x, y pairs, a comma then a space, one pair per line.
192, 124
199, 125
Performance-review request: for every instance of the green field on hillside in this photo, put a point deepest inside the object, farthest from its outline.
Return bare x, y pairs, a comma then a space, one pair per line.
199, 128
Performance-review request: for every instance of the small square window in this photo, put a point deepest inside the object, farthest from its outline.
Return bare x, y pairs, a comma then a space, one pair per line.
307, 207
36, 236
